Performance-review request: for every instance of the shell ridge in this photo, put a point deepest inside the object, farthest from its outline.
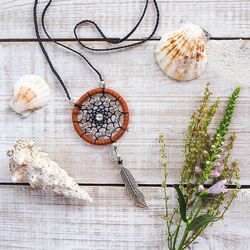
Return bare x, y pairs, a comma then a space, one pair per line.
31, 92
182, 54
173, 56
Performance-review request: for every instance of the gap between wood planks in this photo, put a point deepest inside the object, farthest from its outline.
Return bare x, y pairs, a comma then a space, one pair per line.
120, 185
101, 40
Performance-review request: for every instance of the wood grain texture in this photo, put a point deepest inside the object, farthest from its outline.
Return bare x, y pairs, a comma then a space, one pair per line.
222, 18
32, 220
157, 105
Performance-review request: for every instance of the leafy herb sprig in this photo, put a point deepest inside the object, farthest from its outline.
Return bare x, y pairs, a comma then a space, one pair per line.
206, 163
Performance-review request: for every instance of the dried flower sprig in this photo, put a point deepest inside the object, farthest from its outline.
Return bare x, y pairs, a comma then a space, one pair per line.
206, 163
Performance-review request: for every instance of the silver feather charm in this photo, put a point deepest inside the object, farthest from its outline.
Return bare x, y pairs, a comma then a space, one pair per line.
129, 181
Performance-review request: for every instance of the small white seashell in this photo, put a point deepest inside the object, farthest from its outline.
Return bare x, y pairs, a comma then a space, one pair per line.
30, 92
181, 54
31, 164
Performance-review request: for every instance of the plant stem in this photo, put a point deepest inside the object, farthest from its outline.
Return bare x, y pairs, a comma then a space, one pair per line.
226, 208
177, 232
184, 237
164, 185
191, 240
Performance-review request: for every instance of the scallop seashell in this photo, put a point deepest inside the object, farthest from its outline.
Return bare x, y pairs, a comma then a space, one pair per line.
30, 92
181, 54
29, 163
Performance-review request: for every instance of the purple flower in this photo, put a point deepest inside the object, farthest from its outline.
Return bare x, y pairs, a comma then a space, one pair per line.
218, 187
217, 164
215, 173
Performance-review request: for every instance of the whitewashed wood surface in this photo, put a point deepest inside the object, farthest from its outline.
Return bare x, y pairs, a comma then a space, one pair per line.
157, 104
222, 18
32, 220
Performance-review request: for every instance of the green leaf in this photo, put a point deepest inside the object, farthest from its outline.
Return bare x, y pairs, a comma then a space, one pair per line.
182, 203
201, 221
195, 207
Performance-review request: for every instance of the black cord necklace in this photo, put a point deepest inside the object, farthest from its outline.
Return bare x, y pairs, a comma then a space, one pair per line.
101, 115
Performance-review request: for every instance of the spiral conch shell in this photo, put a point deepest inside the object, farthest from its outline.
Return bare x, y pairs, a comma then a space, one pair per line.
181, 54
31, 164
30, 92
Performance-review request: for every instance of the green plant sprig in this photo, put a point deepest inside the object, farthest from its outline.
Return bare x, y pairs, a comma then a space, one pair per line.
197, 139
206, 158
219, 138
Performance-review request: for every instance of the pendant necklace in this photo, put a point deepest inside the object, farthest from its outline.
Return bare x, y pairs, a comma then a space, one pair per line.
101, 115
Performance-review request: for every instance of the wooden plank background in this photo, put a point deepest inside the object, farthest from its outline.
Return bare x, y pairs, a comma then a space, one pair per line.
31, 220
222, 18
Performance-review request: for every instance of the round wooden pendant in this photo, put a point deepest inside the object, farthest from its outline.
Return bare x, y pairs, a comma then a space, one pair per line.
100, 116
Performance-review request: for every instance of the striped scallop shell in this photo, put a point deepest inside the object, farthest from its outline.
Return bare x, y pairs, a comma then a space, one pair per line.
30, 92
181, 54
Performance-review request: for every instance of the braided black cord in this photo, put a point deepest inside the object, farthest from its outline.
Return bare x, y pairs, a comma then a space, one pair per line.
117, 41
109, 40
64, 46
45, 52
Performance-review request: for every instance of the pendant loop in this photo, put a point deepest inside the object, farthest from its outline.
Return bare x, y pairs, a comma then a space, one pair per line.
102, 84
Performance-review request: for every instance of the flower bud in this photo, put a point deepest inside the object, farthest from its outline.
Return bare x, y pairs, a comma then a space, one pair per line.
201, 188
197, 169
205, 153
